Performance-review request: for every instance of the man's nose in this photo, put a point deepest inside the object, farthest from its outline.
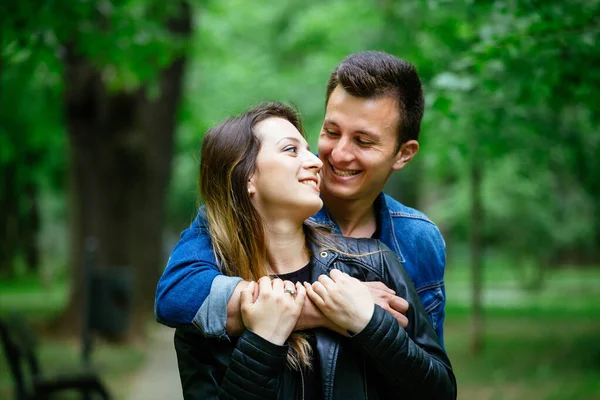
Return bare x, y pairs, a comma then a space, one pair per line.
342, 151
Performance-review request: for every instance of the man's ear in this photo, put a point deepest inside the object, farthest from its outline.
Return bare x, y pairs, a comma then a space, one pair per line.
407, 151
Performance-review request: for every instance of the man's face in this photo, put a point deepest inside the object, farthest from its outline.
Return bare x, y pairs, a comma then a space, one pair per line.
357, 144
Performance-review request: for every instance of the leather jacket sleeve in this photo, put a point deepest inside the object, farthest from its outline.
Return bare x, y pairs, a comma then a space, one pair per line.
250, 369
255, 369
413, 359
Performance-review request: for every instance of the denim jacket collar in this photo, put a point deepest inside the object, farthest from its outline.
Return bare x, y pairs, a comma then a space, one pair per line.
385, 224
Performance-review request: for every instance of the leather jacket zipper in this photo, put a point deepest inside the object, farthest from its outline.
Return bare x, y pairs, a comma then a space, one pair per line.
302, 382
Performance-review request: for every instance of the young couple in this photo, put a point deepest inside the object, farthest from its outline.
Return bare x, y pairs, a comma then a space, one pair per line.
306, 312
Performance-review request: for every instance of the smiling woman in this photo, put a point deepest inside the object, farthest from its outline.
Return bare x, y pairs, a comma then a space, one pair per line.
286, 178
260, 182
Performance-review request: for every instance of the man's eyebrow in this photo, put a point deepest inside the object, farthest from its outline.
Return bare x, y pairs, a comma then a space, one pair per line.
331, 122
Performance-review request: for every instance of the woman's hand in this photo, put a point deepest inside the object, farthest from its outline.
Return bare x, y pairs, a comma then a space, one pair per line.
269, 311
343, 299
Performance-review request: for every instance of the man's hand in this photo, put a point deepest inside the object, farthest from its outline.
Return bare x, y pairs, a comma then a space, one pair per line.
386, 298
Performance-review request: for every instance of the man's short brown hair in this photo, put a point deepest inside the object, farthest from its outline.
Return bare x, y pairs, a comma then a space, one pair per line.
375, 74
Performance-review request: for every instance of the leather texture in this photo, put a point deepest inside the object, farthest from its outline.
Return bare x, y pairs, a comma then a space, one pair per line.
383, 361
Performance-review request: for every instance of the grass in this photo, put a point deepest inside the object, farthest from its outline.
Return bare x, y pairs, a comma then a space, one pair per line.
537, 344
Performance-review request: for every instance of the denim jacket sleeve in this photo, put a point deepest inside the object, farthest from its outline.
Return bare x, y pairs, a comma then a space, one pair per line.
188, 281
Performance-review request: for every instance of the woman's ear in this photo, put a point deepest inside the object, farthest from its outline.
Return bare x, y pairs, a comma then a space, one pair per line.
251, 188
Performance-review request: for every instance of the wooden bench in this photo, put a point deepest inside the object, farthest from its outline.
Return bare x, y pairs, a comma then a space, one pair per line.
19, 344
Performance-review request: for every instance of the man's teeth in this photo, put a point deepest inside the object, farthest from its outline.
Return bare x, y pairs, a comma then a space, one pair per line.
345, 173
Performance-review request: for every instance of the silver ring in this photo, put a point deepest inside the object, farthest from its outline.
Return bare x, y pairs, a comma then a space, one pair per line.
290, 291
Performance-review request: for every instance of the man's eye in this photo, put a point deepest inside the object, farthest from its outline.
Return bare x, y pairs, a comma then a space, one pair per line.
363, 142
332, 133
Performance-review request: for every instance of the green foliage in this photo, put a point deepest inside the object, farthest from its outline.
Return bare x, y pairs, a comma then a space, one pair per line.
529, 335
508, 87
127, 41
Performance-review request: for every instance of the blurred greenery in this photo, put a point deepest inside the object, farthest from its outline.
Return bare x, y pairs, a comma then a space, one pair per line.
510, 94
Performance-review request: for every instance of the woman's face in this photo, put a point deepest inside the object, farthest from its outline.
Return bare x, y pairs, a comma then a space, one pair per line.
286, 180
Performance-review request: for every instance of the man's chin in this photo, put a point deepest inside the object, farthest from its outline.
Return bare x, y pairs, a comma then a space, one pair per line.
342, 192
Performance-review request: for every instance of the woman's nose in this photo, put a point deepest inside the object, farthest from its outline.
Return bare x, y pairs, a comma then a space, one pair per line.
313, 162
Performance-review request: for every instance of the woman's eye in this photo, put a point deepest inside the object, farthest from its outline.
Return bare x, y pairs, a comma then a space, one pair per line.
291, 149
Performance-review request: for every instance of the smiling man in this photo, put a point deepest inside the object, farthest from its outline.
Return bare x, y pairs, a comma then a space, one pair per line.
374, 107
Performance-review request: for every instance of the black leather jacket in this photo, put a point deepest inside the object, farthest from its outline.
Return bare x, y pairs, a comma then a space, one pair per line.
384, 361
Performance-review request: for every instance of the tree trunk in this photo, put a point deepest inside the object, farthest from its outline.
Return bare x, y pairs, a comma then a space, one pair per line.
120, 163
30, 219
476, 255
9, 211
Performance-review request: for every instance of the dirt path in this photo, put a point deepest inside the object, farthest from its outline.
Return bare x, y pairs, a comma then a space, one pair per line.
158, 379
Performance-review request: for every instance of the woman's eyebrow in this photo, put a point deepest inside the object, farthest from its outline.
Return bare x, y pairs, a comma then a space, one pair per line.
293, 139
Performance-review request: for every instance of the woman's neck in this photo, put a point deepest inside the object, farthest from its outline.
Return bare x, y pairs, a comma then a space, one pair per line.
286, 247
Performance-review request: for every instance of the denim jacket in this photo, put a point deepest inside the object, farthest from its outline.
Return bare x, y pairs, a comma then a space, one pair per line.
193, 289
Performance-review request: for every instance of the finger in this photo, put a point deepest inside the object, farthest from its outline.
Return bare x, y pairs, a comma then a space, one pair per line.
264, 286
379, 286
310, 292
289, 288
300, 295
338, 276
399, 304
277, 285
402, 320
324, 280
247, 295
320, 289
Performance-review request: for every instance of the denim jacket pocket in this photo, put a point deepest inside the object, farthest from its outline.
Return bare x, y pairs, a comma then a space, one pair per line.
432, 297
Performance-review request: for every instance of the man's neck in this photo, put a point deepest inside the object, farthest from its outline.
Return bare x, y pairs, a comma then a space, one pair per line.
286, 246
356, 218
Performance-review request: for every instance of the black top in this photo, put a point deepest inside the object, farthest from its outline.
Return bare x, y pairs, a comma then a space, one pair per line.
312, 376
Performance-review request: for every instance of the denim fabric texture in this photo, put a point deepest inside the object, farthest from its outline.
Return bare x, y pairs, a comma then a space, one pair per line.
188, 278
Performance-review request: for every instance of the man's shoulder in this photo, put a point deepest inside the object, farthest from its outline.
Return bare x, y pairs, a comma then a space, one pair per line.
399, 210
411, 221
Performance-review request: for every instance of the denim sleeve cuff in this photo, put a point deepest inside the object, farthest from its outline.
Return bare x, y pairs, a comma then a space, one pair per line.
211, 318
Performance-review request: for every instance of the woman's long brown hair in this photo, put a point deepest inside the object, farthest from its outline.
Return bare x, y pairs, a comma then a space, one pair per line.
228, 161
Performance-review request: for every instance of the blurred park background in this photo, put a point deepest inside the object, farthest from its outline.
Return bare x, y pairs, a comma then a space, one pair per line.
103, 105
